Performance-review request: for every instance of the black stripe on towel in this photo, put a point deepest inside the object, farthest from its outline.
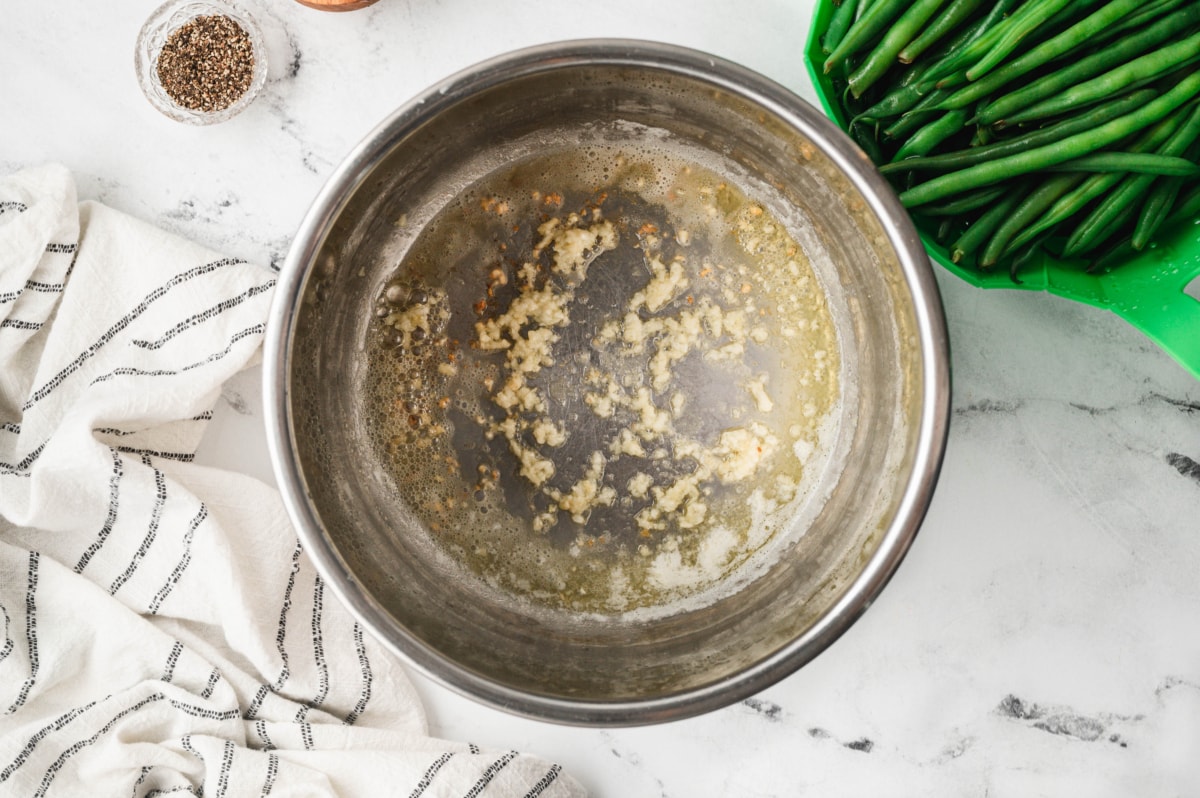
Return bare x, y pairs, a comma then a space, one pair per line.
545, 782
169, 790
37, 286
318, 651
213, 679
160, 499
272, 770
182, 457
21, 469
114, 492
20, 324
8, 641
141, 778
57, 765
306, 736
172, 659
117, 432
260, 728
430, 772
58, 725
256, 704
226, 766
183, 563
364, 664
206, 315
30, 632
201, 712
158, 293
132, 371
281, 632
490, 774
44, 288
186, 742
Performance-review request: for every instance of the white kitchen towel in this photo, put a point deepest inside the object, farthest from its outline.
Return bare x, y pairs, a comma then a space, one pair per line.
162, 629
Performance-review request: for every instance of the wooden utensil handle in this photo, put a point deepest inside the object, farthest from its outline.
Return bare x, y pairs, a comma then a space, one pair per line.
337, 5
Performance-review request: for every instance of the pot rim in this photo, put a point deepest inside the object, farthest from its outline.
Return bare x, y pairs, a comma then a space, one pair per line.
720, 74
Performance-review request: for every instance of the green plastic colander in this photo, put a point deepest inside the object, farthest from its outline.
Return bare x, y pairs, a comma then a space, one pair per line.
1150, 290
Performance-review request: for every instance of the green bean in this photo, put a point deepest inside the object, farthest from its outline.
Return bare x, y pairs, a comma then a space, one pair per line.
1092, 188
873, 21
1138, 18
985, 225
966, 202
1149, 66
954, 15
1034, 204
1089, 66
1186, 208
1158, 204
1113, 256
1015, 26
1142, 163
1021, 258
1043, 53
915, 117
867, 142
1102, 234
932, 134
894, 103
1020, 26
860, 8
944, 229
948, 63
1155, 210
883, 56
1096, 185
981, 137
914, 74
1041, 157
1047, 135
908, 123
918, 72
1093, 230
839, 23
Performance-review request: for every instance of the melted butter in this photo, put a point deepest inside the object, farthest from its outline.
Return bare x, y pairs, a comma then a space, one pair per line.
599, 379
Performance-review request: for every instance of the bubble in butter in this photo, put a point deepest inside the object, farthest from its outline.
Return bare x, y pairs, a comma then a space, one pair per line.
600, 378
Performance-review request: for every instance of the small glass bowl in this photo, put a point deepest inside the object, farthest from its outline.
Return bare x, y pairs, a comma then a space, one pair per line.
168, 18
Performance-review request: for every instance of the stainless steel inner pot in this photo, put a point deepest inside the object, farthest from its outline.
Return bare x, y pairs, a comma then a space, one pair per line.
572, 667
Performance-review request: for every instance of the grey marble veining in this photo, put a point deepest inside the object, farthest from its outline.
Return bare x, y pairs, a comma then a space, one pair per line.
1041, 637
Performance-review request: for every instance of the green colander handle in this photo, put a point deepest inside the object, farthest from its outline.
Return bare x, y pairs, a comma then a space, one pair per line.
1152, 293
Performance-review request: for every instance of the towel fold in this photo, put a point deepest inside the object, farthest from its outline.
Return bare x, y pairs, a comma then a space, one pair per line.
162, 629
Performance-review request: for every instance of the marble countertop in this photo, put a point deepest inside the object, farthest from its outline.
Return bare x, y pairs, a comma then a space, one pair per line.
1041, 638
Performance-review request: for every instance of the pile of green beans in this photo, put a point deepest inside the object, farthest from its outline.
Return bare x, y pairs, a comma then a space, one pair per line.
1013, 127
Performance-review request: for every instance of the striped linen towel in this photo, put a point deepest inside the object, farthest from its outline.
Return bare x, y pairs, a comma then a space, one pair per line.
161, 630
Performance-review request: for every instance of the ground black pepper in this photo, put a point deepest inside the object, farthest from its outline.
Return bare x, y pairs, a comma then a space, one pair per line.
207, 64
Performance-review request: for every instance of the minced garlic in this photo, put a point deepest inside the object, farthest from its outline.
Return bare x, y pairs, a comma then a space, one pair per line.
741, 450
665, 285
639, 484
698, 401
526, 330
547, 433
757, 388
588, 492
